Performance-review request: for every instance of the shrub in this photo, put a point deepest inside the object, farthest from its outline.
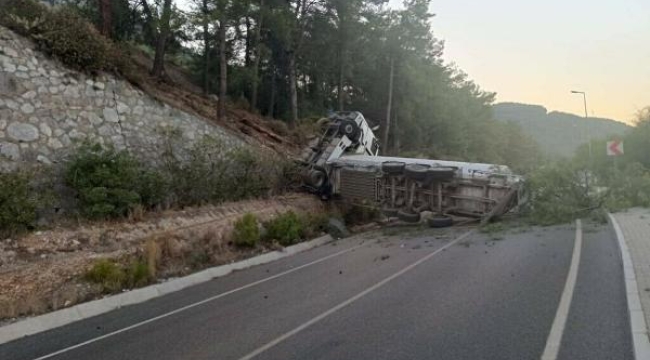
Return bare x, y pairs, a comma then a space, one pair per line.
110, 183
108, 274
114, 277
18, 202
246, 232
137, 274
62, 33
211, 172
65, 35
287, 229
314, 224
22, 16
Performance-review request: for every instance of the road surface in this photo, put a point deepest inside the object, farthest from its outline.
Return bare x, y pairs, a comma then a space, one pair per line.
390, 294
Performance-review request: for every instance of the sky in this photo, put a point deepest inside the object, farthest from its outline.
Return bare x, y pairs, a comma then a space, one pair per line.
536, 52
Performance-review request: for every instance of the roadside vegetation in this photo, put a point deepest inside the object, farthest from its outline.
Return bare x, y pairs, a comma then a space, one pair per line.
586, 186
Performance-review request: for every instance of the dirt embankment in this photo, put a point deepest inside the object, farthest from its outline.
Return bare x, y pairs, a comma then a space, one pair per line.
44, 270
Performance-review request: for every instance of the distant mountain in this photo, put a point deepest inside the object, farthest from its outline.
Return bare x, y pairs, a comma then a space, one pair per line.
557, 133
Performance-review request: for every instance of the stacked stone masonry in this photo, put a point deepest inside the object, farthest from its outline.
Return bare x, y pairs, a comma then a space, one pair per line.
46, 109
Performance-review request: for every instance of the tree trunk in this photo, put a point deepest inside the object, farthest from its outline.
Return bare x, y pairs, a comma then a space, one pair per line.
206, 48
223, 65
340, 82
105, 9
293, 90
256, 61
273, 90
386, 128
247, 50
159, 59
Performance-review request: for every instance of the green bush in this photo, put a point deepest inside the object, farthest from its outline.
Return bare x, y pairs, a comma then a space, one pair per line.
18, 202
246, 232
65, 35
108, 274
114, 277
287, 229
22, 16
557, 194
62, 33
212, 172
137, 274
110, 183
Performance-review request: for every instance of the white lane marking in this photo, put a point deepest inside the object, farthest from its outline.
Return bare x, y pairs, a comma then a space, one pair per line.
193, 305
555, 336
635, 311
347, 302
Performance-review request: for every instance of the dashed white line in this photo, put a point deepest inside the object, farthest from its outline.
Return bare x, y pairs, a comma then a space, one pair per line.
347, 302
557, 329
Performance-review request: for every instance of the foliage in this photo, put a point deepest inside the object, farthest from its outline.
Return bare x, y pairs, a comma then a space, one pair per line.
211, 172
109, 183
108, 274
557, 193
18, 202
566, 189
114, 277
67, 36
287, 229
246, 232
22, 16
62, 33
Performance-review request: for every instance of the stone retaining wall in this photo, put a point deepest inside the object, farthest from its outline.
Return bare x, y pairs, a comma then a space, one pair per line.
46, 108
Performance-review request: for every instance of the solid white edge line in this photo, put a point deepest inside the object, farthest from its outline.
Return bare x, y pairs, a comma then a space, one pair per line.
347, 302
557, 329
638, 326
198, 303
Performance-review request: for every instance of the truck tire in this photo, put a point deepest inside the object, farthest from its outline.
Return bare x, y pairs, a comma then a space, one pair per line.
417, 172
440, 221
350, 129
408, 217
315, 178
392, 167
390, 212
441, 173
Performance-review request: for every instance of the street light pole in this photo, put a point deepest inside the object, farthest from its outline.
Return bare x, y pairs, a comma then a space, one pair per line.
584, 98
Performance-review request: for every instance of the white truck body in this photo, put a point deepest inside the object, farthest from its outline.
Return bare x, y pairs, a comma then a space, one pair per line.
345, 163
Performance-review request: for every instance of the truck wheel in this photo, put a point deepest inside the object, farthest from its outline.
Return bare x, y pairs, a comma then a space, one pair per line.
350, 129
441, 173
390, 212
417, 172
408, 217
392, 167
315, 178
440, 221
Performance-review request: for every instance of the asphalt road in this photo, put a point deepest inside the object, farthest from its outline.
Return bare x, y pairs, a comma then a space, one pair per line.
392, 294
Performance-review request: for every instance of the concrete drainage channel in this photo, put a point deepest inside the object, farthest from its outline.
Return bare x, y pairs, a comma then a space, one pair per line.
83, 311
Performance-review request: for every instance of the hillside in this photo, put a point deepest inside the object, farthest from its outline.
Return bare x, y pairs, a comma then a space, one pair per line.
557, 133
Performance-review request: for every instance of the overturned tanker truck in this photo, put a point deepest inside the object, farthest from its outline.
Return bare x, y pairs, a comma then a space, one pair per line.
344, 163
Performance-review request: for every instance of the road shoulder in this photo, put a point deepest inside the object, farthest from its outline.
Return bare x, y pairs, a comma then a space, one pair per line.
631, 228
55, 319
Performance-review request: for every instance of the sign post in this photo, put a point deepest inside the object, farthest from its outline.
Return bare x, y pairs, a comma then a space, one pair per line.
615, 148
